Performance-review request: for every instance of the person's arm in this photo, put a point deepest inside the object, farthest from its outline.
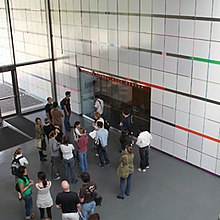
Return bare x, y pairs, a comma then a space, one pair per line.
22, 188
138, 142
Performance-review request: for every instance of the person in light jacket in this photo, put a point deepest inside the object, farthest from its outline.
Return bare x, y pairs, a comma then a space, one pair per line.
143, 142
125, 171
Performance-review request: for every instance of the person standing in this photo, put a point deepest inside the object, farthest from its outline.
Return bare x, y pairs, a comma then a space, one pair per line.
48, 107
86, 196
56, 115
25, 186
22, 161
44, 199
125, 123
99, 105
143, 141
68, 159
125, 139
40, 142
125, 171
54, 148
102, 138
82, 149
68, 202
65, 105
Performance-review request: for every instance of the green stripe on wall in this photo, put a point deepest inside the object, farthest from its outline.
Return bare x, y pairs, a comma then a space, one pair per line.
205, 60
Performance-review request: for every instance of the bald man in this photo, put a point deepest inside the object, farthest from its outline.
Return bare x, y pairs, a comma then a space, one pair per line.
68, 202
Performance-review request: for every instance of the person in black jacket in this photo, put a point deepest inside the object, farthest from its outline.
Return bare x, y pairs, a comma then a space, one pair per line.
125, 139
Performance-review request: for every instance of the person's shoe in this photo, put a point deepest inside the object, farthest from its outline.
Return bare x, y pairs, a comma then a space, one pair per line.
120, 197
43, 159
139, 169
102, 166
97, 155
127, 194
107, 164
44, 155
32, 215
147, 167
144, 170
56, 178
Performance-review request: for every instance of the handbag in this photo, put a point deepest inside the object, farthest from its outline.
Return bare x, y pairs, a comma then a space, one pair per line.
97, 199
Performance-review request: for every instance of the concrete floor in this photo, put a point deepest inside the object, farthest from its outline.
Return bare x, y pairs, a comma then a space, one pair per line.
170, 190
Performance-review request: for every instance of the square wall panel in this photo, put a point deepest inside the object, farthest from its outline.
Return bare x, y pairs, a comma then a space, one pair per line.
181, 136
212, 129
200, 70
157, 95
145, 59
171, 44
157, 77
215, 30
208, 163
198, 87
158, 43
123, 6
103, 5
134, 72
215, 48
168, 114
168, 132
134, 57
216, 6
158, 26
201, 49
112, 5
172, 7
218, 161
123, 22
187, 27
145, 41
112, 22
146, 6
212, 112
183, 84
156, 110
196, 123
123, 70
157, 62
180, 151
145, 24
170, 65
214, 75
172, 26
158, 6
167, 146
134, 23
123, 55
134, 40
113, 67
197, 107
156, 141
113, 38
169, 99
186, 47
170, 81
133, 6
156, 127
204, 8
194, 157
93, 5
182, 119
185, 67
187, 7
202, 30
182, 103
210, 147
145, 74
212, 91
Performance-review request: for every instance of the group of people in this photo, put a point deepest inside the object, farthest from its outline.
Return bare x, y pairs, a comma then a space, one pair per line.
51, 135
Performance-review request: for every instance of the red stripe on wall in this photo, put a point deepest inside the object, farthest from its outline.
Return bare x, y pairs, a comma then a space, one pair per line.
197, 133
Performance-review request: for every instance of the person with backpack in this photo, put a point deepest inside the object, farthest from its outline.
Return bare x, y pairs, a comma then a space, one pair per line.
99, 105
125, 139
25, 187
66, 107
18, 160
86, 196
126, 121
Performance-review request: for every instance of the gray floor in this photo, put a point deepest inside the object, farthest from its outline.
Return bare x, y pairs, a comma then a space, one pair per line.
170, 190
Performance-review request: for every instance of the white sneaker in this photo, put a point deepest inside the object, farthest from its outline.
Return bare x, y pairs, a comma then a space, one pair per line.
147, 167
144, 170
97, 155
139, 169
57, 178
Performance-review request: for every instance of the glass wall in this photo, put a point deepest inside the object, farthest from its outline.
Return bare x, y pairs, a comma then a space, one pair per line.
117, 97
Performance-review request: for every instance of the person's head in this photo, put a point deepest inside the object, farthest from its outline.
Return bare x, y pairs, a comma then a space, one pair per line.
42, 177
82, 130
141, 128
125, 113
96, 96
67, 94
17, 151
38, 121
52, 134
21, 171
100, 124
66, 140
94, 216
97, 115
77, 124
65, 186
46, 121
129, 149
49, 100
85, 177
55, 104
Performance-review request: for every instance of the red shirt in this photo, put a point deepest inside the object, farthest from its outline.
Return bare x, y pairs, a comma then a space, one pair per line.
82, 143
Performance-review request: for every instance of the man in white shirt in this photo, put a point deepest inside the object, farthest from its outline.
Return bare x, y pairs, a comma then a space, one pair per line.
143, 142
99, 105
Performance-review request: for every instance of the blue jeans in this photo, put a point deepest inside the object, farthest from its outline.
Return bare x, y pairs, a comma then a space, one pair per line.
103, 156
144, 152
122, 186
87, 209
28, 203
70, 165
67, 120
83, 161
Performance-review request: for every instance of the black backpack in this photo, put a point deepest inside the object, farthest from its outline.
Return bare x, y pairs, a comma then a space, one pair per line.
62, 103
15, 164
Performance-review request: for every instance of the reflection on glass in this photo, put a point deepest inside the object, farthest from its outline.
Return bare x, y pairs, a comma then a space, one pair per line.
34, 85
117, 97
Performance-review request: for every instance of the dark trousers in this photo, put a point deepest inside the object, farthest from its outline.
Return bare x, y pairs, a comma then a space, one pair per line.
103, 156
144, 153
49, 215
67, 120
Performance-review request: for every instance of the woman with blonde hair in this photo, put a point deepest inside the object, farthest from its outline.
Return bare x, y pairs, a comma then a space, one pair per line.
125, 171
